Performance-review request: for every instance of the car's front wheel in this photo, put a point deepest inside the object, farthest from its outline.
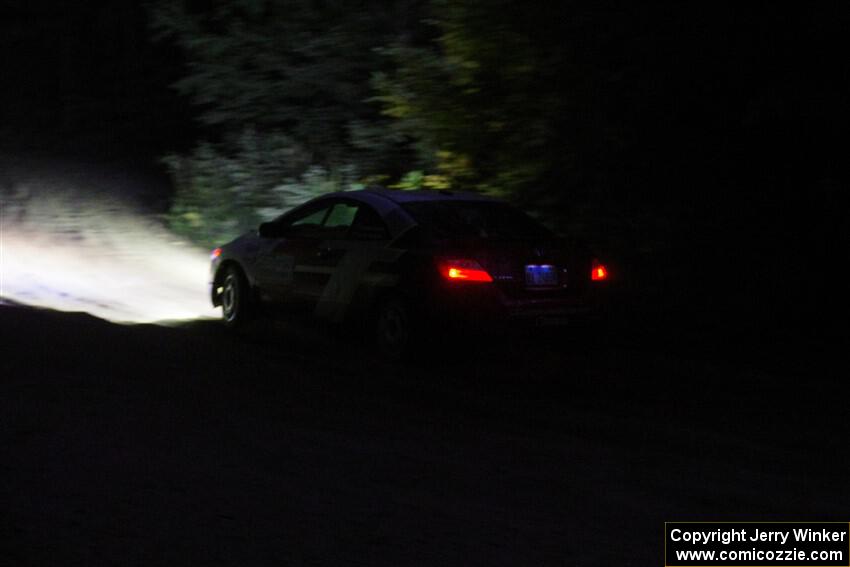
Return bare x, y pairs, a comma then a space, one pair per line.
235, 299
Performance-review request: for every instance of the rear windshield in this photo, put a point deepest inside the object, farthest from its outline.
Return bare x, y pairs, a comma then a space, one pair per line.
452, 220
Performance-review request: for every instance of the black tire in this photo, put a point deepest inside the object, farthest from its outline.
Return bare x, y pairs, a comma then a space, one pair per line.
393, 329
236, 303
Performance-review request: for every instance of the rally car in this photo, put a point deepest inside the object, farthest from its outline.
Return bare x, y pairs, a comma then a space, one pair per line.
400, 263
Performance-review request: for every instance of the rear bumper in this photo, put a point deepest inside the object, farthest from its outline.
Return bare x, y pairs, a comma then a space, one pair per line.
555, 317
483, 309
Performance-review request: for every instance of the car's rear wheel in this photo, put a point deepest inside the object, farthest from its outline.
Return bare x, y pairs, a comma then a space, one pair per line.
393, 329
235, 299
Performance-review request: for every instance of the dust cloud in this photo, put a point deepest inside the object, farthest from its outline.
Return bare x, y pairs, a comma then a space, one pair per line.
73, 240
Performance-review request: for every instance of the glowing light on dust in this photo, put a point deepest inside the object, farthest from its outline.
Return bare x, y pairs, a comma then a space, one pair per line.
98, 256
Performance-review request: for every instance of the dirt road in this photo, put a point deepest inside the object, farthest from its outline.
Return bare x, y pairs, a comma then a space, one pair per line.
83, 237
146, 445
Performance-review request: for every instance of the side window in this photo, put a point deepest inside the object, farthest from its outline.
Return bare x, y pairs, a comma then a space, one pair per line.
339, 220
309, 223
335, 221
368, 225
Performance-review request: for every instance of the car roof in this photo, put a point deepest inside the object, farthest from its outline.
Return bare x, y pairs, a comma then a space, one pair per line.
388, 203
410, 196
383, 198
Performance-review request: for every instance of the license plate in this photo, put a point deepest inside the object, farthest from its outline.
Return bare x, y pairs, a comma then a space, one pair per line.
541, 275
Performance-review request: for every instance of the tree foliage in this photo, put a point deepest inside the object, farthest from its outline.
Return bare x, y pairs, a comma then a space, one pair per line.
283, 88
502, 100
221, 193
470, 94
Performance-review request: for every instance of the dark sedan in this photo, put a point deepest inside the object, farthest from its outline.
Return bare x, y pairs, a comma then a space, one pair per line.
398, 262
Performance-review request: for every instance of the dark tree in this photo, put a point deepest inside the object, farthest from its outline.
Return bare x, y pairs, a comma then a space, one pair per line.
284, 90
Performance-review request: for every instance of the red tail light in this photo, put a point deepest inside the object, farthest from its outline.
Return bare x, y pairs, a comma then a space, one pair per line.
598, 272
215, 253
463, 270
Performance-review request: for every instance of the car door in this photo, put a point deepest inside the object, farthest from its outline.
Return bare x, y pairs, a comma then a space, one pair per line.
286, 245
351, 256
316, 264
